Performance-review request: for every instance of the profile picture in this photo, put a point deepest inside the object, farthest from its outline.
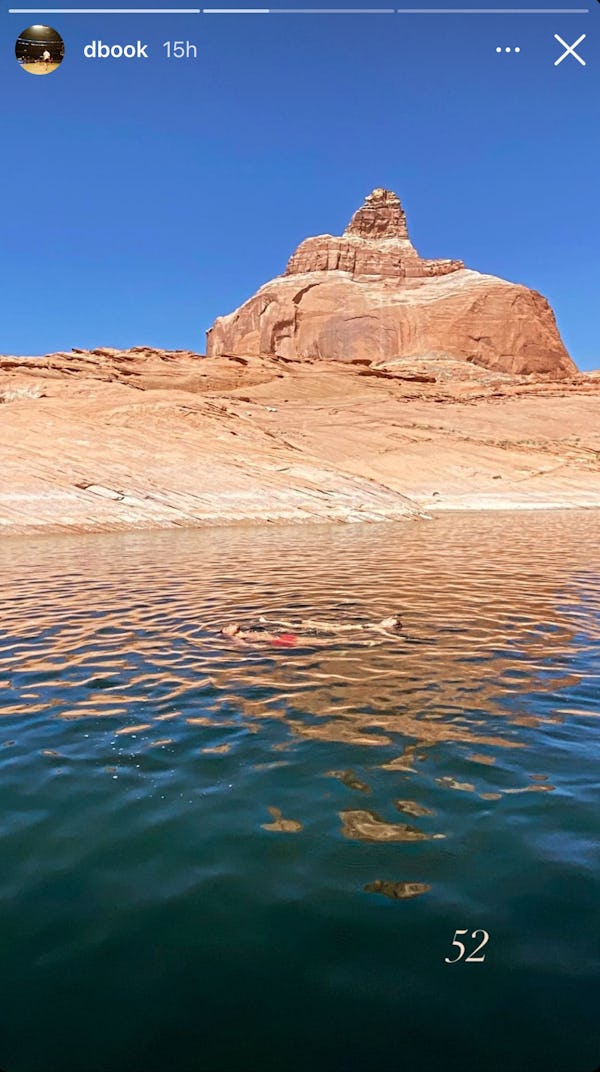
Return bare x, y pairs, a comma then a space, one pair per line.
39, 49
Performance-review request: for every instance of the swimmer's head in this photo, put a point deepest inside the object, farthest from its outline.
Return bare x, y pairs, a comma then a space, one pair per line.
393, 622
231, 630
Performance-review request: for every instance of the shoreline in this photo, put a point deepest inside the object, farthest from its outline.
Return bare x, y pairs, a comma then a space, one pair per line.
115, 528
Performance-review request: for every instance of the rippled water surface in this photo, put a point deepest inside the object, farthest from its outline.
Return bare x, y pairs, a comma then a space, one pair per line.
218, 858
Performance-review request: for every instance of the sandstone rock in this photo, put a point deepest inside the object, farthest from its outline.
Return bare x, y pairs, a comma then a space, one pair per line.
374, 246
369, 296
152, 438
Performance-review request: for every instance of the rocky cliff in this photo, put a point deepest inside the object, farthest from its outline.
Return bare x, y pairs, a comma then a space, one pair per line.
368, 295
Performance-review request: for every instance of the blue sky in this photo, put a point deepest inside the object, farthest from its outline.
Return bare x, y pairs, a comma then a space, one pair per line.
141, 199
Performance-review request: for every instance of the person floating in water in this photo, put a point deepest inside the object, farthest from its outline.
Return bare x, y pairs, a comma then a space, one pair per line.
266, 631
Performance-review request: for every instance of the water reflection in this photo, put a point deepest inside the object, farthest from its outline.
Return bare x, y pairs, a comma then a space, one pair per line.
328, 814
369, 826
497, 610
281, 825
397, 890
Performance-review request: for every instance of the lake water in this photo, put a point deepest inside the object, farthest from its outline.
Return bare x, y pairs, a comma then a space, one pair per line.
227, 859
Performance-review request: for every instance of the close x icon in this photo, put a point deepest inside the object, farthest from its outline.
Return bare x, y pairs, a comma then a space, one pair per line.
570, 50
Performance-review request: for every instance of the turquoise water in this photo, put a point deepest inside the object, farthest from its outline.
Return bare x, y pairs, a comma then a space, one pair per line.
188, 828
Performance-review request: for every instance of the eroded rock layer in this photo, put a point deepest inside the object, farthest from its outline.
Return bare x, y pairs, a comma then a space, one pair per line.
368, 295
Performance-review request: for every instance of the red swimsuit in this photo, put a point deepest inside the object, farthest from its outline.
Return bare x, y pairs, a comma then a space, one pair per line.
286, 640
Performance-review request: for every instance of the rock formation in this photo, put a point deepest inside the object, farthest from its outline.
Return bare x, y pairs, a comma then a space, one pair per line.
368, 296
374, 246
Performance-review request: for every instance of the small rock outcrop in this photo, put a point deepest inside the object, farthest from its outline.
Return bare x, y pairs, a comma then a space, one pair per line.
368, 296
374, 246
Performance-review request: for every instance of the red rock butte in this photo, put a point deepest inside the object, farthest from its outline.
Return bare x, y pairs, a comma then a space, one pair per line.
369, 296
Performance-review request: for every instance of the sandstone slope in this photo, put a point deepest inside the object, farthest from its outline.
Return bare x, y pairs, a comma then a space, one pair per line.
123, 439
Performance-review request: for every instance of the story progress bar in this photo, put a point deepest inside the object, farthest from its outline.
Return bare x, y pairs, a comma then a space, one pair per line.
298, 11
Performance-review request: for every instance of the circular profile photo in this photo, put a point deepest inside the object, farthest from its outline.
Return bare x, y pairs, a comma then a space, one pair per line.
39, 49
